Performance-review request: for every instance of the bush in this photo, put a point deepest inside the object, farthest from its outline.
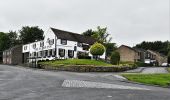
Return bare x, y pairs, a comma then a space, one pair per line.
83, 57
169, 57
141, 64
115, 58
97, 49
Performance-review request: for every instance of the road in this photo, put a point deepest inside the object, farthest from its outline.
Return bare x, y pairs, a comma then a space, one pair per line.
18, 83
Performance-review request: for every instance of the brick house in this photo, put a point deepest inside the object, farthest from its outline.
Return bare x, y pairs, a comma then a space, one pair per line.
13, 55
128, 54
159, 58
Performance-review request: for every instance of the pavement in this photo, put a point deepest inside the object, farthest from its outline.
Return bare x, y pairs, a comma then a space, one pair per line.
19, 83
149, 70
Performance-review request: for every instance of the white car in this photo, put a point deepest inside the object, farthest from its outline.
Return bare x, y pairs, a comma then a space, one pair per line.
164, 64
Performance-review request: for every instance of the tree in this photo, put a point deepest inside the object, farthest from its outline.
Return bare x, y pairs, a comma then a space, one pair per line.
30, 34
115, 58
101, 34
97, 50
13, 38
158, 46
89, 32
4, 41
169, 57
110, 47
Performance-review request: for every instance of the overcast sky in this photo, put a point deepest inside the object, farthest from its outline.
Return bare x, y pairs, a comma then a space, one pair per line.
128, 21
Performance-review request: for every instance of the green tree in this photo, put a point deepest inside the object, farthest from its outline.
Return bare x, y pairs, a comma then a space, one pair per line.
110, 47
115, 58
158, 46
169, 57
13, 38
101, 34
89, 32
4, 41
30, 34
97, 50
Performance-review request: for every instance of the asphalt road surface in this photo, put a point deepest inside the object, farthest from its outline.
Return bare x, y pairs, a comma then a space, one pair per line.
18, 83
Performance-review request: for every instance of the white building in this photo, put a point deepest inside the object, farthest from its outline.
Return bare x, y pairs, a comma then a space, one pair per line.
58, 44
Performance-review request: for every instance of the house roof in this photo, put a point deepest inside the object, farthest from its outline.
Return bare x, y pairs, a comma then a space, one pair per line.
157, 53
12, 48
128, 47
73, 36
140, 49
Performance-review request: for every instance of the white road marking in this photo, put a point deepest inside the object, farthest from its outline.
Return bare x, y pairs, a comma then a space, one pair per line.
88, 84
121, 77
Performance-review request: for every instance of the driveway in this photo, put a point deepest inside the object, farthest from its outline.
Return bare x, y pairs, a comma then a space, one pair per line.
152, 70
149, 70
18, 83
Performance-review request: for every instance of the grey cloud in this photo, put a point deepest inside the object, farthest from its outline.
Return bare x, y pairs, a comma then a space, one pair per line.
128, 21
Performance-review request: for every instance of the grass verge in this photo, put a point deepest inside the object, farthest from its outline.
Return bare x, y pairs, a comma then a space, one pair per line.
152, 79
76, 62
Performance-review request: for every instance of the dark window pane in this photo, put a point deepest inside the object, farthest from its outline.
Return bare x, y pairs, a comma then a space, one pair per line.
64, 42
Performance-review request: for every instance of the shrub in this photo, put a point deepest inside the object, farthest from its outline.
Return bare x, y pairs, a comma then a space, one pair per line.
169, 57
81, 55
97, 49
84, 57
115, 58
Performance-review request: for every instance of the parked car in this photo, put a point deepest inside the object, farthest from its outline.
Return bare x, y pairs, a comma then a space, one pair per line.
164, 64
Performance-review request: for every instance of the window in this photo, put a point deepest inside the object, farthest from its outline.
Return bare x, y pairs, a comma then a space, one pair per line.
70, 53
34, 46
75, 48
64, 42
51, 42
25, 47
46, 52
41, 44
39, 54
53, 52
61, 52
34, 54
86, 47
49, 52
79, 44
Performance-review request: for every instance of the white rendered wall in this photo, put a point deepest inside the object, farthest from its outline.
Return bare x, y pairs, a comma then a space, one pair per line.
57, 44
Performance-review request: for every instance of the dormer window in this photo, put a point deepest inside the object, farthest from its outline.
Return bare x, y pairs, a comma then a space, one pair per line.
79, 44
63, 42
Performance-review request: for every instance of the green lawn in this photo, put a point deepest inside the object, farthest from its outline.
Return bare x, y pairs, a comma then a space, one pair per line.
152, 79
76, 62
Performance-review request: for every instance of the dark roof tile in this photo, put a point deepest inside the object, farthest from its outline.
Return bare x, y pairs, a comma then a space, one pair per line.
73, 36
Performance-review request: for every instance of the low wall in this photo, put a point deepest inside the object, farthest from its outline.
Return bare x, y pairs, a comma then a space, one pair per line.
86, 68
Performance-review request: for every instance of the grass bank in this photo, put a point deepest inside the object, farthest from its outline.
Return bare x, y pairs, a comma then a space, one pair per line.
152, 79
76, 62
82, 65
